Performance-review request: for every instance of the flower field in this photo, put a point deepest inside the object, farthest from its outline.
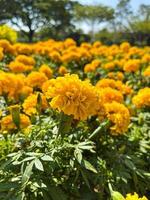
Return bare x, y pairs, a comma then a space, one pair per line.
74, 121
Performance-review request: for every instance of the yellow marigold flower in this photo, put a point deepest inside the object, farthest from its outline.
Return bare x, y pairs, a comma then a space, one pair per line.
109, 65
62, 70
7, 47
69, 42
89, 68
86, 45
132, 65
18, 67
26, 91
142, 99
27, 60
147, 71
108, 95
30, 104
70, 56
46, 70
135, 196
8, 124
47, 84
73, 96
120, 76
97, 44
125, 46
106, 82
145, 58
1, 53
55, 56
36, 79
23, 48
119, 116
116, 75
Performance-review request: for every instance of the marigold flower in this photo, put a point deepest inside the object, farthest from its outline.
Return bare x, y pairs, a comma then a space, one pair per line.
8, 124
30, 104
132, 65
1, 53
119, 116
106, 82
73, 96
46, 70
147, 71
108, 95
135, 196
62, 70
47, 84
109, 65
125, 46
142, 99
27, 60
36, 79
18, 67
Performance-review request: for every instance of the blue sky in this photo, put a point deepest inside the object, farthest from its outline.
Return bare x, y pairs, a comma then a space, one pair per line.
134, 3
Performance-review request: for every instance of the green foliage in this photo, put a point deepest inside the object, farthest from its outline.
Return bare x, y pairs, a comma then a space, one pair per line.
43, 164
8, 33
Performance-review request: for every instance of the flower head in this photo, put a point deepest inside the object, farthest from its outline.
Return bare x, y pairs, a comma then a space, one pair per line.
135, 196
142, 99
119, 116
73, 96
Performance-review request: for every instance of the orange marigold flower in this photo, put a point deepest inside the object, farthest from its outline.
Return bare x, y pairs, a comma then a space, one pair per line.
62, 70
132, 65
8, 124
119, 116
142, 99
46, 70
147, 71
108, 95
36, 79
30, 104
106, 82
73, 96
27, 60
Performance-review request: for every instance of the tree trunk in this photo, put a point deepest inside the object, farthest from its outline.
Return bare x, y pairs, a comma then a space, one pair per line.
30, 35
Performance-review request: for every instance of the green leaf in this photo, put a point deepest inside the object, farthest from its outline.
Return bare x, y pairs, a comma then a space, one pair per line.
130, 164
47, 158
8, 186
78, 155
117, 196
39, 165
15, 112
27, 173
88, 166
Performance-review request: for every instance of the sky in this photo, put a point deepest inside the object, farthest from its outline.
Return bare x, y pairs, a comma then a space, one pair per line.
134, 3
112, 3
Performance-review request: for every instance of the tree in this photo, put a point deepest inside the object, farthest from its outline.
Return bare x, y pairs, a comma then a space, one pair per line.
30, 15
94, 14
4, 15
59, 16
123, 14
